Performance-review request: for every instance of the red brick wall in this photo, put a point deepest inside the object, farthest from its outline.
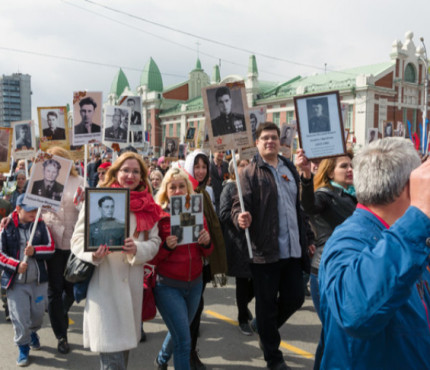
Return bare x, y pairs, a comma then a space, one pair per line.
386, 81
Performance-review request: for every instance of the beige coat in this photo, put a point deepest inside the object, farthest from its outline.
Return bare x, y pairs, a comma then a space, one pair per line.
113, 308
62, 223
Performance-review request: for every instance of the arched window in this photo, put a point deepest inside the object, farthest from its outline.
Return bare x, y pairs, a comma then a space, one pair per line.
410, 73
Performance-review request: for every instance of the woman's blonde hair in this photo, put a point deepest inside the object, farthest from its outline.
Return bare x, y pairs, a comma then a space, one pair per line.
111, 174
61, 152
173, 174
325, 169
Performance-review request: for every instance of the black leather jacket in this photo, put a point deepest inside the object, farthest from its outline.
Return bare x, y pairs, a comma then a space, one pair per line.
260, 196
327, 208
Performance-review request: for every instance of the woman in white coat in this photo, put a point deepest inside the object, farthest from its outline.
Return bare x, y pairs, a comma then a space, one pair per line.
112, 316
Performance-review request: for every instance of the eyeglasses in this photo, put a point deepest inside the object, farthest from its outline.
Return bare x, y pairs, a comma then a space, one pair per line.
127, 172
102, 172
269, 137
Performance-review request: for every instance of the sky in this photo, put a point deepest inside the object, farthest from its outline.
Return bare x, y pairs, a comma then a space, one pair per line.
51, 39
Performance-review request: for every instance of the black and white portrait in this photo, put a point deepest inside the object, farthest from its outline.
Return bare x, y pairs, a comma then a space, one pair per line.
171, 147
117, 121
107, 218
400, 130
226, 111
53, 127
175, 206
182, 152
318, 117
178, 231
49, 175
196, 203
388, 129
288, 132
372, 135
87, 117
256, 117
133, 102
196, 232
49, 187
190, 133
23, 139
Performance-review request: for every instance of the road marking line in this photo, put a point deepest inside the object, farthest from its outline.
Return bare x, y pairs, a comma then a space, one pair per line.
285, 345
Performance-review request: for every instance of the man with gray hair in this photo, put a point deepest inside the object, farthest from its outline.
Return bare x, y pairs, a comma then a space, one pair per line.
374, 275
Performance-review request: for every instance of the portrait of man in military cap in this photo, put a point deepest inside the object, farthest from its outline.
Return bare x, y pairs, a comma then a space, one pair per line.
107, 219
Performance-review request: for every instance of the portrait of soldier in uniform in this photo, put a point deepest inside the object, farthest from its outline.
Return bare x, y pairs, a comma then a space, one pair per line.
53, 131
388, 129
23, 137
196, 232
115, 132
176, 205
48, 187
107, 230
227, 122
196, 204
317, 111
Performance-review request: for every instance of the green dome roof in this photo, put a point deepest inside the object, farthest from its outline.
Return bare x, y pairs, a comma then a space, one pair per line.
119, 83
151, 77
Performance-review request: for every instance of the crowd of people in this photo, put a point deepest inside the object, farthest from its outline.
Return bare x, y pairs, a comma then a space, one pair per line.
359, 224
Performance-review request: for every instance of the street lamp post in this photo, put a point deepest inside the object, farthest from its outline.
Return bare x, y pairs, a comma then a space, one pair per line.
422, 54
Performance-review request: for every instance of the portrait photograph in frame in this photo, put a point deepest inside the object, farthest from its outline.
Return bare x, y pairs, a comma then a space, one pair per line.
319, 125
186, 212
6, 134
107, 218
191, 133
134, 103
49, 176
257, 115
24, 139
388, 129
400, 129
372, 135
116, 124
53, 128
227, 116
171, 148
87, 117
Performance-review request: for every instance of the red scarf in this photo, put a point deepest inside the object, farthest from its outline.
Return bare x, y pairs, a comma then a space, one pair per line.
147, 212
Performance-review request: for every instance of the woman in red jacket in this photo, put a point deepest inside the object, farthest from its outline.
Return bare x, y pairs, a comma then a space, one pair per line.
179, 275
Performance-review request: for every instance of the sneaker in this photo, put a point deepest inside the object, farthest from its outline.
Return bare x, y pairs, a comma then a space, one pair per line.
63, 346
245, 329
159, 366
254, 325
22, 360
195, 363
35, 343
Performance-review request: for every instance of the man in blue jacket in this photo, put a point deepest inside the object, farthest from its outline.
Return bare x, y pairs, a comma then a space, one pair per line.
374, 274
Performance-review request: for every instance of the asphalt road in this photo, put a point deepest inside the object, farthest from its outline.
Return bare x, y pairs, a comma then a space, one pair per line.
221, 345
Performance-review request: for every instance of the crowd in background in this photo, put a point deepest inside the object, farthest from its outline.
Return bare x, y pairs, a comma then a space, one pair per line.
291, 211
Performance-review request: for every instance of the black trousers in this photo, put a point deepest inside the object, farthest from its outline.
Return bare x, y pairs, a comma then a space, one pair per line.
244, 295
60, 293
278, 289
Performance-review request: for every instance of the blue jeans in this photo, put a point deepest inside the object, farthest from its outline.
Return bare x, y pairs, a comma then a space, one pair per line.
177, 307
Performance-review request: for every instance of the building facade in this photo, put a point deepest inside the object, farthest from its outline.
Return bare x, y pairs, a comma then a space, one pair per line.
15, 98
392, 90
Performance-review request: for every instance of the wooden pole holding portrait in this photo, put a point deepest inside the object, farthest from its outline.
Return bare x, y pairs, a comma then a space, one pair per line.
30, 240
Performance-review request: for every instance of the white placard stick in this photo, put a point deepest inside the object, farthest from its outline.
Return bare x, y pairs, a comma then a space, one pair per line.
85, 162
26, 168
30, 241
242, 206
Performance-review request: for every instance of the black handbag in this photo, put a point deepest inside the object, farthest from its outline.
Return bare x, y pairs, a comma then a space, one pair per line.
77, 271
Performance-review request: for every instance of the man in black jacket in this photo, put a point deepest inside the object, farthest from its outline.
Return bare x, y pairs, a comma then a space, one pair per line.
218, 173
279, 240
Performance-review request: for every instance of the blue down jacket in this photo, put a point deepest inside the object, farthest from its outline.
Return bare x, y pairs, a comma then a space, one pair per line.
375, 293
